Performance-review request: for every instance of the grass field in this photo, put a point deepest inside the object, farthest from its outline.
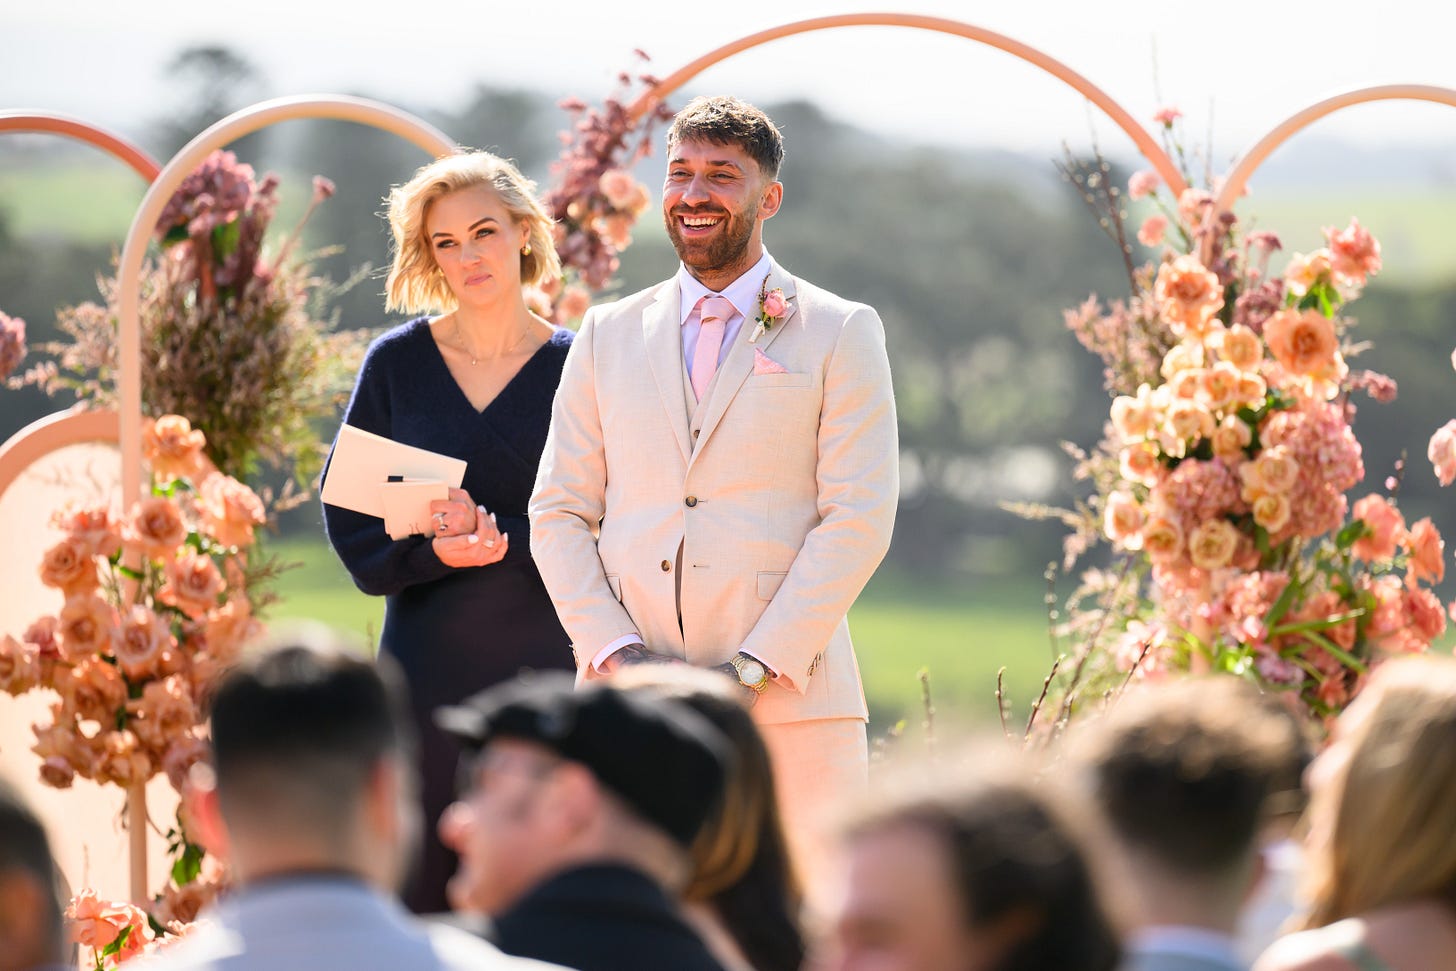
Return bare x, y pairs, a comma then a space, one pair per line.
959, 637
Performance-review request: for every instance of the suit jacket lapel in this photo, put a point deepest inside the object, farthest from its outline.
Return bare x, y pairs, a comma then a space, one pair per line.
738, 365
662, 330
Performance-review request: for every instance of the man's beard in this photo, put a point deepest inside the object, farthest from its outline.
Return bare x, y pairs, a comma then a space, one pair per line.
726, 249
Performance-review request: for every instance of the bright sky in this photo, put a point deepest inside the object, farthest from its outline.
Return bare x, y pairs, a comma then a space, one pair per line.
1236, 68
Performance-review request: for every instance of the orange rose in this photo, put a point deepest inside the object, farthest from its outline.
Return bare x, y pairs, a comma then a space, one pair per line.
69, 567
1187, 296
1387, 525
1427, 553
155, 528
1305, 344
172, 448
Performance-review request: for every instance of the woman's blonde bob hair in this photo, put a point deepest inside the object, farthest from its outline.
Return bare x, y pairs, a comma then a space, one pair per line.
414, 284
1388, 809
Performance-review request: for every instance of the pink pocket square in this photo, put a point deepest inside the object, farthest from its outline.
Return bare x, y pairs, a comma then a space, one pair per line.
763, 364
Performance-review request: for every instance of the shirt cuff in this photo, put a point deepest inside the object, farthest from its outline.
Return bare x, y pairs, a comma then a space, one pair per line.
772, 674
613, 648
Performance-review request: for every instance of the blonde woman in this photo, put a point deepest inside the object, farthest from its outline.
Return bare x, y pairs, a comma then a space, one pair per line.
1381, 854
472, 376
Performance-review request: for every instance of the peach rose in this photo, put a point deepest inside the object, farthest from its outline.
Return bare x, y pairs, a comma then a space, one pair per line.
1305, 344
1153, 229
1219, 386
230, 510
1186, 421
228, 628
573, 304
1304, 271
1354, 254
1442, 452
1143, 183
1276, 469
619, 188
183, 752
155, 528
1133, 418
1123, 519
92, 690
1386, 525
1194, 206
1162, 538
125, 760
1427, 553
95, 528
19, 666
87, 627
1187, 296
94, 923
1183, 356
1252, 389
142, 642
1212, 544
193, 583
1271, 510
1424, 609
1240, 347
163, 712
1140, 463
1230, 438
172, 448
69, 567
616, 228
1186, 384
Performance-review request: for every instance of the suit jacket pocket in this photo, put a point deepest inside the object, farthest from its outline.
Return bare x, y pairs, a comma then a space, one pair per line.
769, 583
790, 380
615, 582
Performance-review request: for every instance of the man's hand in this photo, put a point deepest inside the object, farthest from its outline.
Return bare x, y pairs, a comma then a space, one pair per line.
636, 654
747, 694
484, 546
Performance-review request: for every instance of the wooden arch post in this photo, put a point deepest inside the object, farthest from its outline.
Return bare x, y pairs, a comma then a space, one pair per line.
1238, 176
1150, 149
129, 392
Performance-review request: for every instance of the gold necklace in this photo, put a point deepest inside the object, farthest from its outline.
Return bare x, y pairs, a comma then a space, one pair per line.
474, 358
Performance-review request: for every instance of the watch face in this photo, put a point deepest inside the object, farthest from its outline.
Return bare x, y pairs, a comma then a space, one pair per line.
751, 672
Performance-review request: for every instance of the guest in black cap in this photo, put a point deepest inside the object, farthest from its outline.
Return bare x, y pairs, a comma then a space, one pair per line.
576, 816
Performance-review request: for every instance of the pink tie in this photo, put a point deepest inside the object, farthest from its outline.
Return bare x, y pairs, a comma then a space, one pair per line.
715, 312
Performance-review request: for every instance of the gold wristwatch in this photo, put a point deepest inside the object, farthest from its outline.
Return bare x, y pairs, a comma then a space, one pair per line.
751, 671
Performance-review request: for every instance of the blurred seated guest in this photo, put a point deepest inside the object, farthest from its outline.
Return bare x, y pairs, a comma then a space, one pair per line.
31, 934
1180, 773
1380, 855
472, 377
576, 821
312, 802
744, 897
974, 869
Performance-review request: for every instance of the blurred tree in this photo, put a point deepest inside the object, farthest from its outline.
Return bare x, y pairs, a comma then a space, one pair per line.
215, 81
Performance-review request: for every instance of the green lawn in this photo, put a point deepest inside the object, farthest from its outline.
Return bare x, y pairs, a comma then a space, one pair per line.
959, 637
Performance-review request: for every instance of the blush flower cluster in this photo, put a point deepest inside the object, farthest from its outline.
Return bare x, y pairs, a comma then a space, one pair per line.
1226, 474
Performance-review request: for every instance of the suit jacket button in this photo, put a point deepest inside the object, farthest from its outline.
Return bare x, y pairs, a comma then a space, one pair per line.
691, 501
666, 566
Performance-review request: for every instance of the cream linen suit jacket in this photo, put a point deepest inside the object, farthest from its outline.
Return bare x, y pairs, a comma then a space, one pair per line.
782, 504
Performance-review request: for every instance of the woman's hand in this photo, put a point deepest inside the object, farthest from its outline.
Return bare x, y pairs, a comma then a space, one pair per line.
454, 516
484, 546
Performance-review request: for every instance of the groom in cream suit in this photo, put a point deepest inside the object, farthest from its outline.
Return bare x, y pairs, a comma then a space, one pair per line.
721, 475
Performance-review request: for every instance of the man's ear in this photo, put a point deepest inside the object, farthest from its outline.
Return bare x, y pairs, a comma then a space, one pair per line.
202, 813
773, 197
576, 802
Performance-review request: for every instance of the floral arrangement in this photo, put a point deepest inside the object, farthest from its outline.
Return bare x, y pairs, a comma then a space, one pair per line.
157, 603
596, 201
228, 336
772, 305
1224, 480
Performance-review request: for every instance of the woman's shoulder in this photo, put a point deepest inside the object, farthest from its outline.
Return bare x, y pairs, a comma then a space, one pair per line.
401, 340
1335, 947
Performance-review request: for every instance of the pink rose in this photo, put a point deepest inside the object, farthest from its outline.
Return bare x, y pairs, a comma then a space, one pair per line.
1151, 232
775, 304
1442, 452
1386, 524
230, 510
155, 528
143, 643
1354, 254
1143, 183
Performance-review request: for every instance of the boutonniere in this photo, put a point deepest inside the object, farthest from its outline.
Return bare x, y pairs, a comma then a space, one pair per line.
772, 305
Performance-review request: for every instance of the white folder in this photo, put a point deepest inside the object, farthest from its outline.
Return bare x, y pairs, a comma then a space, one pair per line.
364, 466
